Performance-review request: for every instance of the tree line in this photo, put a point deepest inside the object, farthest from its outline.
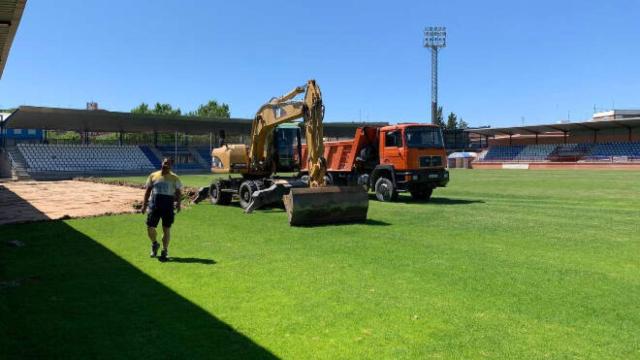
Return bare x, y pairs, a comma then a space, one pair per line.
452, 121
211, 109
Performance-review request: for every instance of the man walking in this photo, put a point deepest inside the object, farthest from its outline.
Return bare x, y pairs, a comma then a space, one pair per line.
163, 188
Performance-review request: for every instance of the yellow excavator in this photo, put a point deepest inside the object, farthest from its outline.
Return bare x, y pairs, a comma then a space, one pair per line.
275, 148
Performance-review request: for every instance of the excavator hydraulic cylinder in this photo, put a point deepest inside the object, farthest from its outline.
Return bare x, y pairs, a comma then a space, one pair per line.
326, 205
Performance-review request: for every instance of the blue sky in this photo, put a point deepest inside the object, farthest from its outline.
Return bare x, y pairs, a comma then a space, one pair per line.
539, 60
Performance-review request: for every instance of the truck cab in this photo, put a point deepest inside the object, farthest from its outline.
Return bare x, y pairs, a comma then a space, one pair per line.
407, 157
412, 158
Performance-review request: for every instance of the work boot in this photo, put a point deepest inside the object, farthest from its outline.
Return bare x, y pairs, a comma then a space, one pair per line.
164, 256
154, 249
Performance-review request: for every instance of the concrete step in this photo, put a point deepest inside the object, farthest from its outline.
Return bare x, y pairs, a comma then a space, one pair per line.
18, 164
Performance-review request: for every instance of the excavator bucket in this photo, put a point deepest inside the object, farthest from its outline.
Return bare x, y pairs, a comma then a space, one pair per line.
326, 205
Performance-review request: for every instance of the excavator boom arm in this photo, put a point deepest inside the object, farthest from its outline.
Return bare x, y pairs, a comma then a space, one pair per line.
283, 110
316, 203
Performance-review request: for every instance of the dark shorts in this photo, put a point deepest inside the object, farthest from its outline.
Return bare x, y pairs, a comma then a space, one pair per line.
154, 216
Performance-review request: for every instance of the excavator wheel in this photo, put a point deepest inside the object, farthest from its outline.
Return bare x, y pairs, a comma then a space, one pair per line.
326, 205
217, 196
245, 192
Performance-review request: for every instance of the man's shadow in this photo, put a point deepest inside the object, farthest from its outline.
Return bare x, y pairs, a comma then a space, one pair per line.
191, 260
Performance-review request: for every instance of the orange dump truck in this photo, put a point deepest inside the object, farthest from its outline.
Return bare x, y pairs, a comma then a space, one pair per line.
391, 159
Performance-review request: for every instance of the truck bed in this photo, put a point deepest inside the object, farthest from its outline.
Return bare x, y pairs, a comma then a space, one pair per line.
341, 155
338, 154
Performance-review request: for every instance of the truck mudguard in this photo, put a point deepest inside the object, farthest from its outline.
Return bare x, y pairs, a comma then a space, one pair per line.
381, 169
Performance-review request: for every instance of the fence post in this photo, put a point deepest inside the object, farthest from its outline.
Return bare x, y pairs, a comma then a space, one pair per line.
175, 148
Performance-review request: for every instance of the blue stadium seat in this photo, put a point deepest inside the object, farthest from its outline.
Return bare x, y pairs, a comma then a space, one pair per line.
84, 158
537, 152
503, 152
579, 151
204, 153
150, 155
606, 151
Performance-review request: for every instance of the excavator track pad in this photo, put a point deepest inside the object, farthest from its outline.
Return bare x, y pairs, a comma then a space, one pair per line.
326, 205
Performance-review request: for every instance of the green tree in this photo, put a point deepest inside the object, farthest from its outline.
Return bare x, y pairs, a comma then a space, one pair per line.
452, 121
212, 109
165, 109
158, 109
141, 109
462, 124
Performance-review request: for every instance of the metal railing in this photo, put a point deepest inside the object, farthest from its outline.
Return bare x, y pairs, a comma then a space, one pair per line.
611, 159
512, 161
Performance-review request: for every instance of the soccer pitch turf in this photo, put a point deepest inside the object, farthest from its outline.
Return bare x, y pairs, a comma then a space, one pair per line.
500, 264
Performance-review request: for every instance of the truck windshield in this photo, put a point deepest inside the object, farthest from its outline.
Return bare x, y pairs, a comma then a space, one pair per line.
423, 137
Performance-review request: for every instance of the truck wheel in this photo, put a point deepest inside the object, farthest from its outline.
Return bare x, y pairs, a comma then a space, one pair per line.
422, 194
244, 193
217, 196
385, 191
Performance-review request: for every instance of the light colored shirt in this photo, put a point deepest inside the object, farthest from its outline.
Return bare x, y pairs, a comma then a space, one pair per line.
163, 184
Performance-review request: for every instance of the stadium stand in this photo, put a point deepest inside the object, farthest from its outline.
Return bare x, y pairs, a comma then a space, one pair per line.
205, 154
538, 152
145, 140
186, 159
570, 152
168, 150
631, 149
611, 151
502, 152
84, 158
572, 149
153, 159
609, 140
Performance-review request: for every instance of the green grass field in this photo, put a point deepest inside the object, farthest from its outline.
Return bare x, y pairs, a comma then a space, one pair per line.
500, 264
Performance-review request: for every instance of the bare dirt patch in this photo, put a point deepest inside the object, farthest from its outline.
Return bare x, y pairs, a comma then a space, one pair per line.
49, 200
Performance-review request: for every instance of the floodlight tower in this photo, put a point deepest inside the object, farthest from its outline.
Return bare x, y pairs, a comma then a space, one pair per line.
435, 38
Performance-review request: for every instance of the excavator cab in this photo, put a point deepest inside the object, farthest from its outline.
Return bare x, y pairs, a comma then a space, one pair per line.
286, 148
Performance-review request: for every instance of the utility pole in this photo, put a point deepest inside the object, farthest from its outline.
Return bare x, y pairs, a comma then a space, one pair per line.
435, 38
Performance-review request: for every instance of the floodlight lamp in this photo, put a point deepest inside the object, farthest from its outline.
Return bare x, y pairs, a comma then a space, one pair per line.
435, 37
